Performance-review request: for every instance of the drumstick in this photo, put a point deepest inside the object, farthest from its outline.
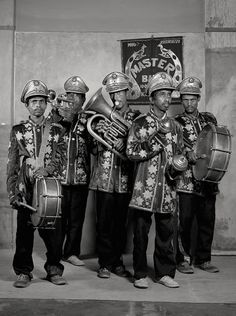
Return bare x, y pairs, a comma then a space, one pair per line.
28, 206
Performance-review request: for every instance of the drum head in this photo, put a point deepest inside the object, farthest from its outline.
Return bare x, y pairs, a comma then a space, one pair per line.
203, 152
213, 150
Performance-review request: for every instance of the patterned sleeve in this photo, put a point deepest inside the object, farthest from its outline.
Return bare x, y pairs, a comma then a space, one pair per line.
141, 144
13, 165
210, 118
59, 155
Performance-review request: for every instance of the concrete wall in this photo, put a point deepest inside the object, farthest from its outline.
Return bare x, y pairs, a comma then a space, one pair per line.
6, 84
221, 100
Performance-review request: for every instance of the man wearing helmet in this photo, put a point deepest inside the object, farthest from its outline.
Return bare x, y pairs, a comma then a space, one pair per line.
75, 173
111, 179
29, 156
155, 143
196, 198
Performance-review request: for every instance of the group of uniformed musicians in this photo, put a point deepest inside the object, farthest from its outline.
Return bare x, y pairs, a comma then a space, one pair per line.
141, 162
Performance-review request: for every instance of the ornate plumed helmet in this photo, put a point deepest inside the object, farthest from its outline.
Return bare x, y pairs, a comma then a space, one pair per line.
34, 88
190, 85
160, 81
76, 84
116, 81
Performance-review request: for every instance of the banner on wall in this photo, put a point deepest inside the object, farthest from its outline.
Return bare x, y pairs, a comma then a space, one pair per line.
142, 58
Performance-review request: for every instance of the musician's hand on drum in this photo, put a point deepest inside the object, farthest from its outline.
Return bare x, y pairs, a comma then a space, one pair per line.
192, 157
119, 144
15, 201
40, 172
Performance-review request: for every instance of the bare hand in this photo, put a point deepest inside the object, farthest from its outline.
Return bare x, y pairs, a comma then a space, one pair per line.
102, 126
15, 202
66, 114
119, 144
192, 157
40, 172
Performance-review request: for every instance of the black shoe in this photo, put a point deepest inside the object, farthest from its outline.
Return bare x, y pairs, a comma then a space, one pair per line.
184, 267
23, 280
208, 267
56, 279
121, 272
104, 273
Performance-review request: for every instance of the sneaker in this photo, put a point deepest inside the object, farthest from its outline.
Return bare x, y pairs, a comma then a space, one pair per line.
121, 272
168, 281
184, 267
141, 283
104, 273
74, 260
56, 279
23, 280
208, 267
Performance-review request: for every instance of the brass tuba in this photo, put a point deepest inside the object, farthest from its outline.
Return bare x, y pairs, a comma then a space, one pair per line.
118, 127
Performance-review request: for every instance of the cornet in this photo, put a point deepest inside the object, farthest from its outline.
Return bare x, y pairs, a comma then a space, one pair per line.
118, 127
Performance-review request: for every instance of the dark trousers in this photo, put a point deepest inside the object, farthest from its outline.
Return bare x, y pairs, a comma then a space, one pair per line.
23, 261
112, 211
203, 209
163, 257
74, 202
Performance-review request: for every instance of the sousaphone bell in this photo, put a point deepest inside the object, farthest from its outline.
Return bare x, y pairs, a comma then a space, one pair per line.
118, 127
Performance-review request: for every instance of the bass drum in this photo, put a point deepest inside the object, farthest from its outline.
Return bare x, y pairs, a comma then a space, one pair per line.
213, 149
47, 202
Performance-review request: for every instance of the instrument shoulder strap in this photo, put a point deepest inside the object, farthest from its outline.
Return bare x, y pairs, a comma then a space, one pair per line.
40, 158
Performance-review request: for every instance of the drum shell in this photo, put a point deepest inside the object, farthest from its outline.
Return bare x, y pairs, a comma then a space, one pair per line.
47, 202
213, 149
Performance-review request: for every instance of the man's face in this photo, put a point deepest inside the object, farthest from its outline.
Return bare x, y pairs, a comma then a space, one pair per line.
78, 101
36, 106
161, 99
120, 99
190, 103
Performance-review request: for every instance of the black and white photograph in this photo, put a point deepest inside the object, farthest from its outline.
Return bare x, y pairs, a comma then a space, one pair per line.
117, 177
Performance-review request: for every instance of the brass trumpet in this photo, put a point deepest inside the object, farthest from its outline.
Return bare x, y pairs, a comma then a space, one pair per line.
118, 127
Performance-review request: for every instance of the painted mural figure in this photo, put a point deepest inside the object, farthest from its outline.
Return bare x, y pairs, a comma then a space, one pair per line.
33, 144
196, 198
75, 173
155, 143
111, 180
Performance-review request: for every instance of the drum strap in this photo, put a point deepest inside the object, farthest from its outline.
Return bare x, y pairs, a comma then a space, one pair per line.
40, 158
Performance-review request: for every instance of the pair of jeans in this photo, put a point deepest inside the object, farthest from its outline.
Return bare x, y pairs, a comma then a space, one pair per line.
23, 260
163, 257
202, 209
112, 212
74, 202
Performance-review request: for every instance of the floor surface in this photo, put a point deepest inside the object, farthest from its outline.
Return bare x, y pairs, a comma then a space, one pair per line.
118, 296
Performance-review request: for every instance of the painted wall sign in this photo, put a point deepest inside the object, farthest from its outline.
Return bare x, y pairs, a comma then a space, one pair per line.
142, 58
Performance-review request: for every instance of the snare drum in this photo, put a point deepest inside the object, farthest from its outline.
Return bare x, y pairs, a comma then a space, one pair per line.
213, 149
47, 202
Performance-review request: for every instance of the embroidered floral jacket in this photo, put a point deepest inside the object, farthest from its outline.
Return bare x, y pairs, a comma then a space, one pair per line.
154, 188
191, 128
79, 143
111, 173
24, 148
